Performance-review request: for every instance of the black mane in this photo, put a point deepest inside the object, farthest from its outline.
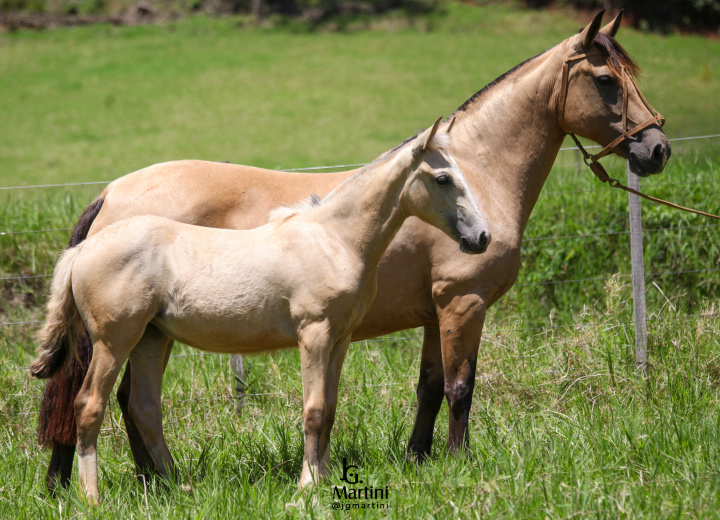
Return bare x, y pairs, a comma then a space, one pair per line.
616, 57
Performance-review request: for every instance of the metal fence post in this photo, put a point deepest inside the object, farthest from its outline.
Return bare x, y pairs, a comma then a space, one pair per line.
638, 273
237, 365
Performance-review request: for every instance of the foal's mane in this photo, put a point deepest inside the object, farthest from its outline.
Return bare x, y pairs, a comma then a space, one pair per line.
283, 213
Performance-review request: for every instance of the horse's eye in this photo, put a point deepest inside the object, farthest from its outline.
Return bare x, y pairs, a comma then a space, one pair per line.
442, 179
605, 81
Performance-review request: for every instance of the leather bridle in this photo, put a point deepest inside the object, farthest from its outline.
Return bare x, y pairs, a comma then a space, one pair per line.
627, 81
592, 160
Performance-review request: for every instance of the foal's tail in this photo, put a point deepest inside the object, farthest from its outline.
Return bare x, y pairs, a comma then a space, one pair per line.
56, 424
63, 325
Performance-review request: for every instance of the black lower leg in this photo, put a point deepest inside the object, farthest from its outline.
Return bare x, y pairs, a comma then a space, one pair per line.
60, 468
430, 393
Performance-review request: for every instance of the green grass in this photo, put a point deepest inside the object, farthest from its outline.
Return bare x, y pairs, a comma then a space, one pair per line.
561, 425
95, 103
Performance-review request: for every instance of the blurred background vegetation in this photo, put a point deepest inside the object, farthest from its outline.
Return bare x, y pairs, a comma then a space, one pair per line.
649, 15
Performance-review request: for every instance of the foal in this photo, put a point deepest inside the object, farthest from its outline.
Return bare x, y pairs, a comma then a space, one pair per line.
306, 278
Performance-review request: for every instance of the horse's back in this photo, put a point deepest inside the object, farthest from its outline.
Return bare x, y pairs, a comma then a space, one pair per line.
211, 288
210, 194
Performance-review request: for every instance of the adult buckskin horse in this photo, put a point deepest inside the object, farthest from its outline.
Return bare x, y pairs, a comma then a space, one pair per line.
505, 140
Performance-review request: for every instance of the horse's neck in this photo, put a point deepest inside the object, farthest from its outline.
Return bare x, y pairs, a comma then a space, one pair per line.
509, 138
365, 210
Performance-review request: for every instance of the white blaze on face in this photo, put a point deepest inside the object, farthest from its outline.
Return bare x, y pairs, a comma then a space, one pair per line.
456, 169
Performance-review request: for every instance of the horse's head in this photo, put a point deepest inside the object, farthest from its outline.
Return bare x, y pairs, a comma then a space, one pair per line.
598, 99
436, 191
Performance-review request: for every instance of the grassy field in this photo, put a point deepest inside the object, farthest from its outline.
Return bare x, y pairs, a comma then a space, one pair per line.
95, 103
561, 425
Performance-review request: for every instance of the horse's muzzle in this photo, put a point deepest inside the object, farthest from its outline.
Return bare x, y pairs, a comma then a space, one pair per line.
475, 245
649, 153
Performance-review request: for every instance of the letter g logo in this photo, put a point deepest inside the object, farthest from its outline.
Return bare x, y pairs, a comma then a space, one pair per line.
355, 476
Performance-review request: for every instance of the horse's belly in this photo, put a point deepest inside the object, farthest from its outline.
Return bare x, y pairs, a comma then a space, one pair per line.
229, 333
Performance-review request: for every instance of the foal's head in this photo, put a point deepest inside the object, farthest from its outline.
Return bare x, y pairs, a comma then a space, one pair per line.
601, 100
436, 191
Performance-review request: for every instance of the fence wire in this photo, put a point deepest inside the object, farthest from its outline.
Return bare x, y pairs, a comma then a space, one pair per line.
315, 168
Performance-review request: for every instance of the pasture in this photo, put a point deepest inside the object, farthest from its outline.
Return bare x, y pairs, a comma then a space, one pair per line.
561, 425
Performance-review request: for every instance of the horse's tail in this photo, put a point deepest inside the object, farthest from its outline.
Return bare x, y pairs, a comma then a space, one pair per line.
57, 413
63, 323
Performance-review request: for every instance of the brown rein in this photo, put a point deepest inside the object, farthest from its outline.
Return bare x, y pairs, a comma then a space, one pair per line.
592, 160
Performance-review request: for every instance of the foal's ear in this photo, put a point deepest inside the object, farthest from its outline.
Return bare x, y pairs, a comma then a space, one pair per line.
450, 126
612, 28
587, 35
427, 136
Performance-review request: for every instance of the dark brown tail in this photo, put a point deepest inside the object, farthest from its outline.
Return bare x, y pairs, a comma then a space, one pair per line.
57, 412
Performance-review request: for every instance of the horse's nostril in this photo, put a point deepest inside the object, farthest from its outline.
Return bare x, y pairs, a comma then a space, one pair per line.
658, 153
483, 240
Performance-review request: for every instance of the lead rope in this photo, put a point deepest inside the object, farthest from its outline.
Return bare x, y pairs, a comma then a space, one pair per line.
601, 174
592, 160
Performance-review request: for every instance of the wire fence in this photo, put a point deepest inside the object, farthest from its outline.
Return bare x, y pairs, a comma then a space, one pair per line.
338, 166
317, 168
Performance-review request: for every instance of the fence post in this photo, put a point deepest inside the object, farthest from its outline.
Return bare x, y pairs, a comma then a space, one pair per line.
638, 273
237, 365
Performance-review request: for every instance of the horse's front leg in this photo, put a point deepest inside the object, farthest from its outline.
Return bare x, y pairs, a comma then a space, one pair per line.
461, 322
430, 392
337, 358
316, 344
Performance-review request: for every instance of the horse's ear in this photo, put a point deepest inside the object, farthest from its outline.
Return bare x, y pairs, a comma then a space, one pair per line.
612, 28
450, 126
587, 36
427, 136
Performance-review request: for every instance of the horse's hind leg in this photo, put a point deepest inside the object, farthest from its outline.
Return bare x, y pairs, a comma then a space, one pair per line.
144, 464
144, 467
90, 409
148, 360
60, 467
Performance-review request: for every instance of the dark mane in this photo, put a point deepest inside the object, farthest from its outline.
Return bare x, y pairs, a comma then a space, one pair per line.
474, 98
487, 88
616, 57
406, 141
